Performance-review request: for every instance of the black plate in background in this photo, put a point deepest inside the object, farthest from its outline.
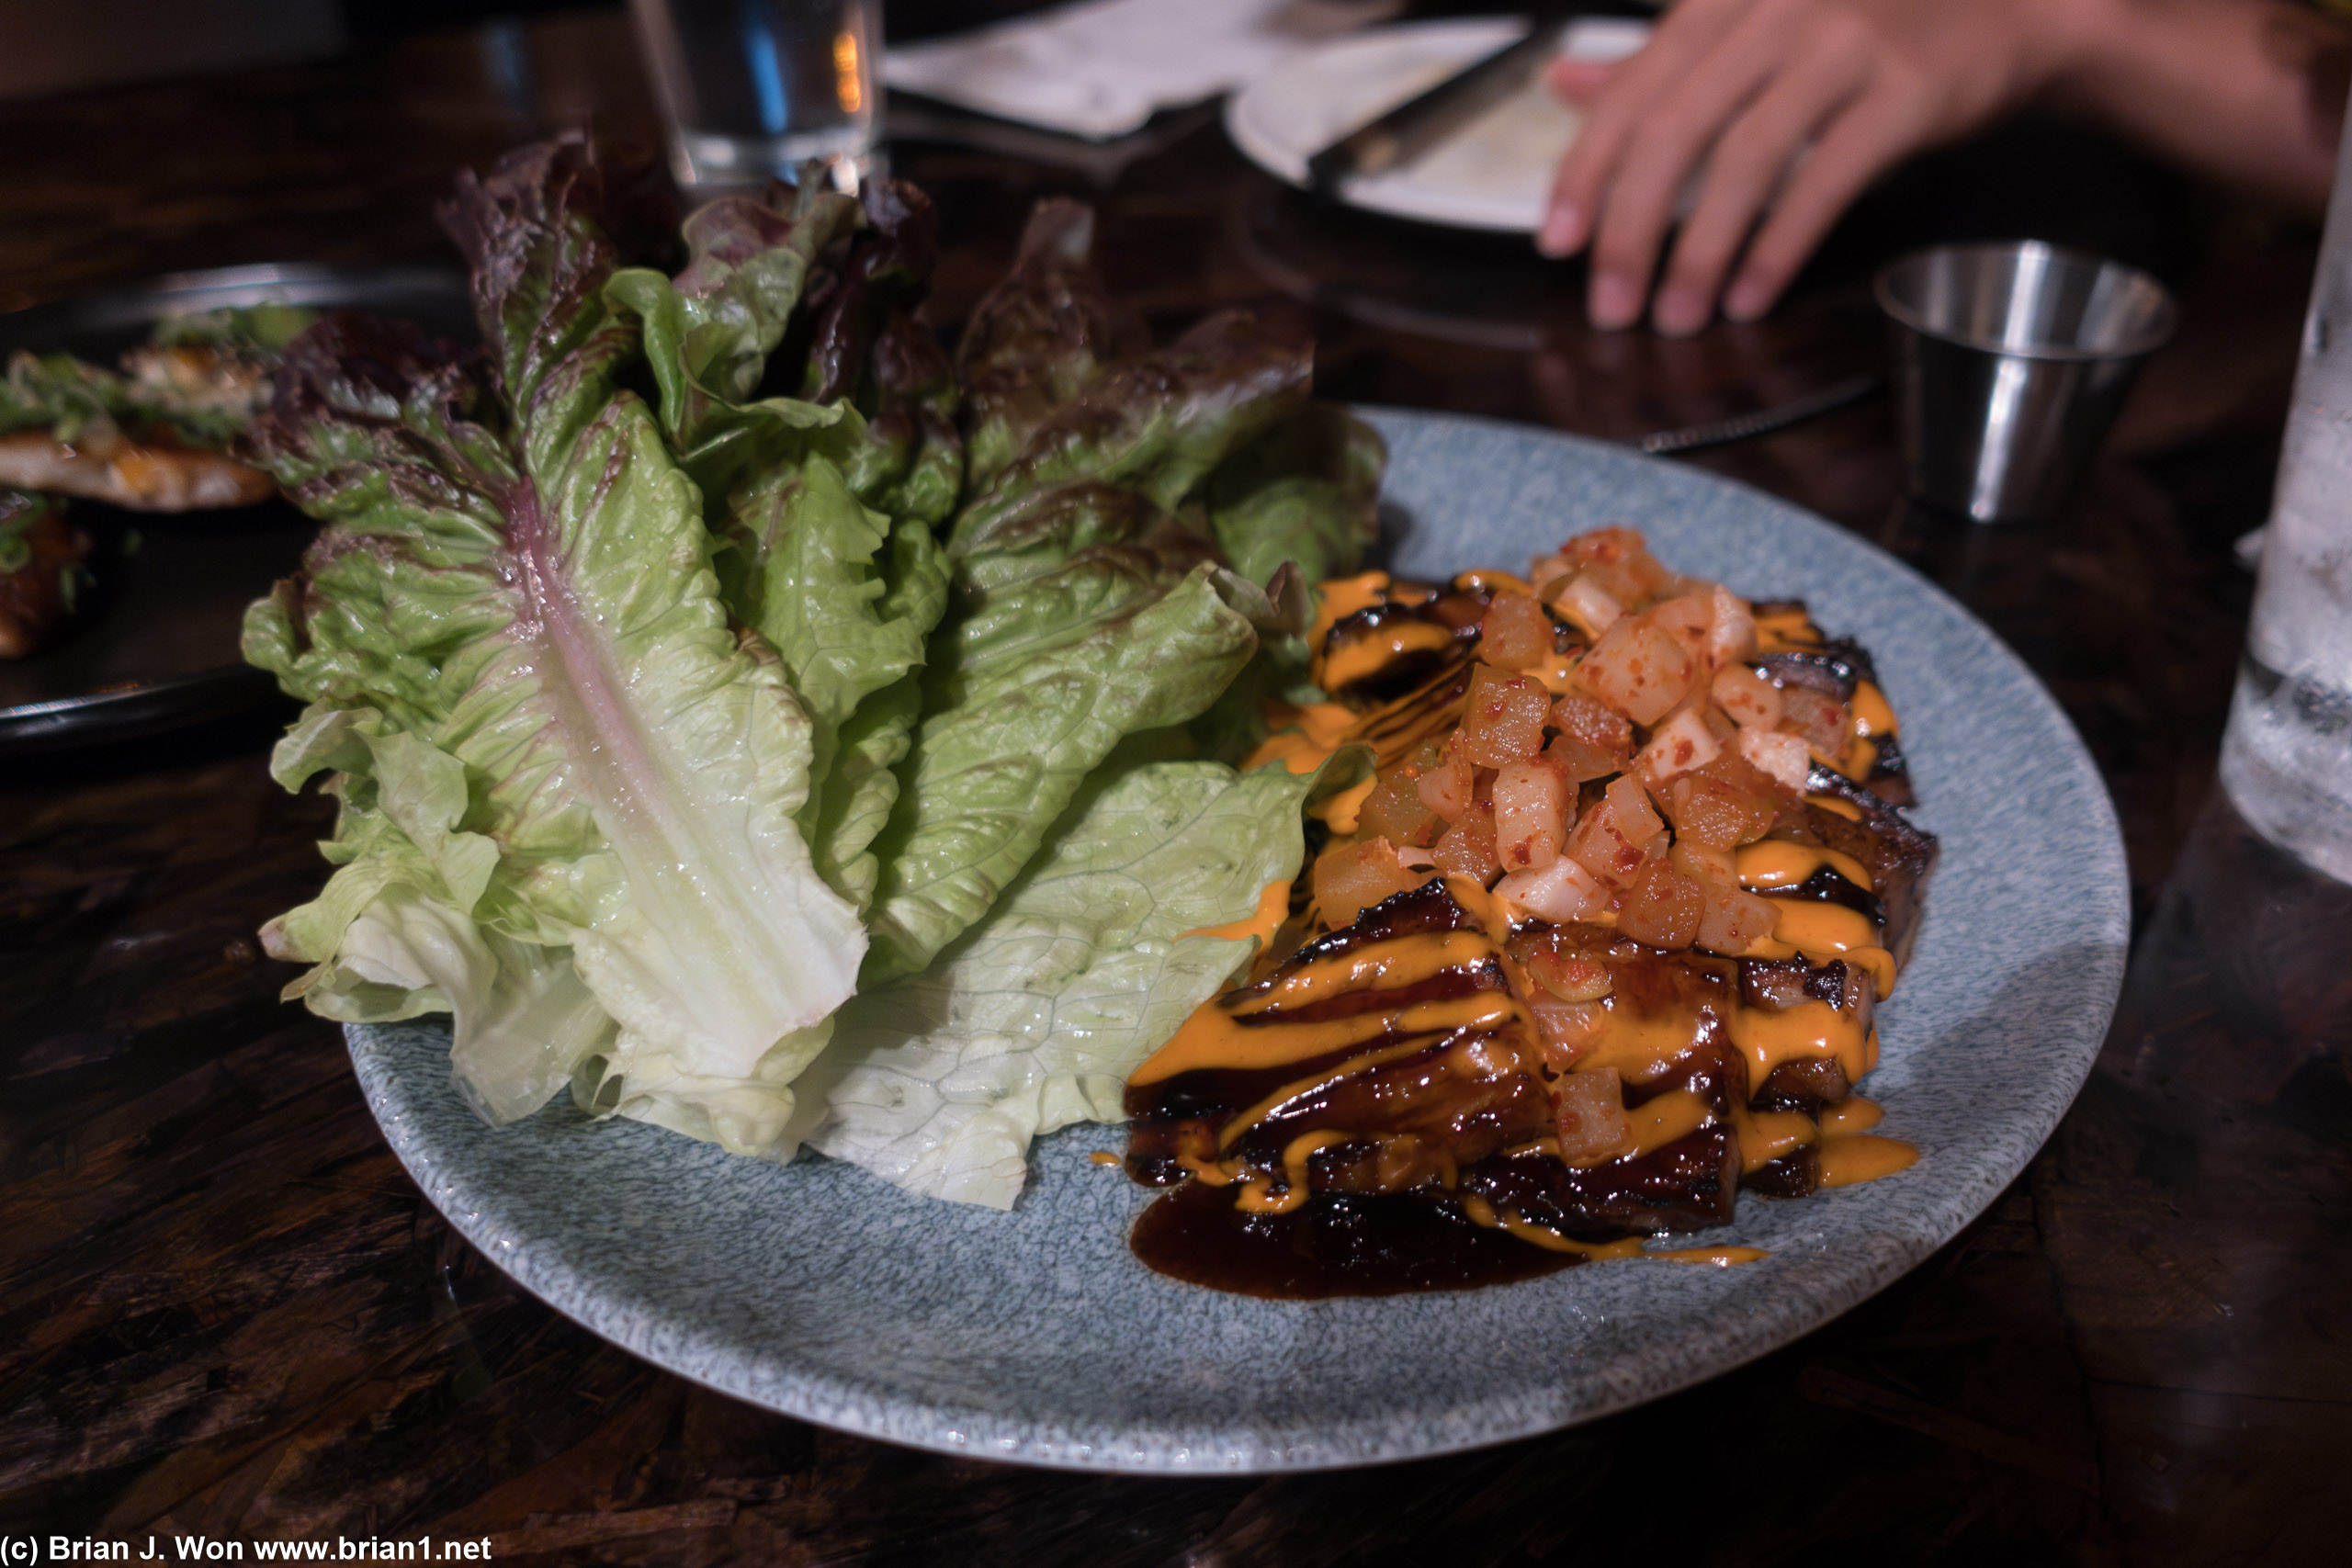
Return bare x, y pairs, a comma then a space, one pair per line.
159, 648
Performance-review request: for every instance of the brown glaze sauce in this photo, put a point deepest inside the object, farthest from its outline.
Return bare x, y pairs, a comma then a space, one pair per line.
1333, 1246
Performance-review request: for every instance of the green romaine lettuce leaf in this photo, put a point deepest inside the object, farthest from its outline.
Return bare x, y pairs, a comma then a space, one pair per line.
395, 932
1087, 610
1156, 426
823, 514
708, 332
867, 346
634, 713
812, 290
1030, 687
848, 600
514, 572
1034, 340
523, 1019
939, 1082
1306, 492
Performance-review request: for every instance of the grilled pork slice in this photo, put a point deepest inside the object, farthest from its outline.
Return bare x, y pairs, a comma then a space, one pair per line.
42, 559
1846, 818
1381, 1058
1793, 651
1602, 943
153, 472
1400, 1060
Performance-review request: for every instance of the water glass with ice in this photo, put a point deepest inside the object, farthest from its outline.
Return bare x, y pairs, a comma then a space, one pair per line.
2287, 756
756, 89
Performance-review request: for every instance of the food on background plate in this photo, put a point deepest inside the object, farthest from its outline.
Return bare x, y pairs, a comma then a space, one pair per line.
154, 437
43, 570
1597, 945
833, 746
147, 472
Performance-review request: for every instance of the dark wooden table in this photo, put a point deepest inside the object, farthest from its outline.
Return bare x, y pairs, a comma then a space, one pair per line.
225, 1310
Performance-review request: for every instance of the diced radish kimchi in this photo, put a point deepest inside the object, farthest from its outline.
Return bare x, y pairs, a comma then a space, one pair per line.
1592, 949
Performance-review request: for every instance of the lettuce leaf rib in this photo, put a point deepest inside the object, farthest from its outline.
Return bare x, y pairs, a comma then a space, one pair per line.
638, 768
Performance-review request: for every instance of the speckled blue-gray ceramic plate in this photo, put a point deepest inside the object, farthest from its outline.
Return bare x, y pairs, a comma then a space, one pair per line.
1034, 1336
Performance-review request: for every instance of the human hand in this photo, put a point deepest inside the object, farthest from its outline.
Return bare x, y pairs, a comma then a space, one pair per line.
1792, 107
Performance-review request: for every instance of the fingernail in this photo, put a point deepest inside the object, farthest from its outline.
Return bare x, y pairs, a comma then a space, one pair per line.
1615, 301
1562, 227
1746, 301
1577, 78
1680, 310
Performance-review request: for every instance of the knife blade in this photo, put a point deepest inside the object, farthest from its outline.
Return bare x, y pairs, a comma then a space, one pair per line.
1421, 122
1763, 422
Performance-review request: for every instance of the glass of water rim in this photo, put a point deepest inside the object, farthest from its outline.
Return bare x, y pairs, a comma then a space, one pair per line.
756, 89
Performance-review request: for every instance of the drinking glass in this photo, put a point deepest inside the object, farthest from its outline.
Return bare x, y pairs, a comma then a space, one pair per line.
757, 88
2287, 755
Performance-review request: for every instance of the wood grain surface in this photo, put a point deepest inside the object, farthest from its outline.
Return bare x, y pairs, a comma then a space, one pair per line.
225, 1310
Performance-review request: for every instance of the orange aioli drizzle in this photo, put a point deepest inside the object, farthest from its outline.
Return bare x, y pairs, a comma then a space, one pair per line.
1638, 1045
1211, 1037
1292, 749
1661, 1121
1830, 929
1259, 1196
1872, 719
1367, 655
1825, 931
1783, 631
1327, 723
1341, 812
1304, 738
1851, 1114
1874, 714
1551, 1240
1879, 963
1273, 907
1496, 582
1717, 1257
1313, 1082
1778, 863
1861, 1157
1388, 965
1556, 672
1491, 911
1398, 726
1835, 807
1768, 1136
1342, 597
1809, 1029
1209, 1173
